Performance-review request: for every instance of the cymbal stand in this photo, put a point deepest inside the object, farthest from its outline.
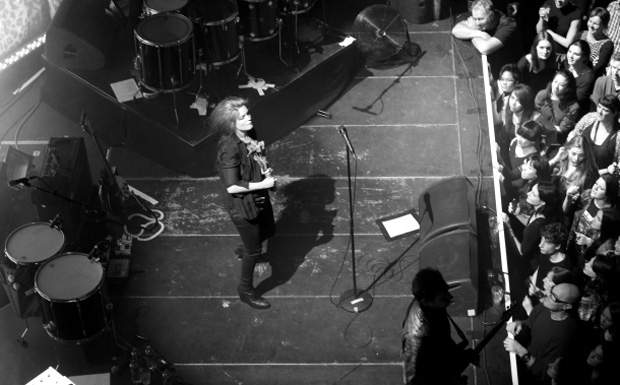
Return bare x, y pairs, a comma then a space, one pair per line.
280, 27
243, 65
174, 100
200, 53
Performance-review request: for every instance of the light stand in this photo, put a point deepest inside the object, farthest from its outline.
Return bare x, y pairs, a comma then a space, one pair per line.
353, 300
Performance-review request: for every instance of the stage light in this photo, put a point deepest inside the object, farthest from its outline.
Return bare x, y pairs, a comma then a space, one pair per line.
22, 52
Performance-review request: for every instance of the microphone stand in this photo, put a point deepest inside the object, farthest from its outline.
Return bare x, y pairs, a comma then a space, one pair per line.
88, 208
353, 300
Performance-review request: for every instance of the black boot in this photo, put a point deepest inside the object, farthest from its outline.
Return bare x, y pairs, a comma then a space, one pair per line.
254, 300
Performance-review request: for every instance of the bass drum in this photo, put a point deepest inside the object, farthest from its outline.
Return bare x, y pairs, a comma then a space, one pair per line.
259, 19
72, 298
165, 51
217, 22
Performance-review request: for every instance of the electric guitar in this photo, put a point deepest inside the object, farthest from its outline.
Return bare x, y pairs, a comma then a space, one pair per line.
489, 336
114, 191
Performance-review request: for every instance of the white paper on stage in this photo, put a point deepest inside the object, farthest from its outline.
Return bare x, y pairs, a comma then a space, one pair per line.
126, 90
401, 225
50, 377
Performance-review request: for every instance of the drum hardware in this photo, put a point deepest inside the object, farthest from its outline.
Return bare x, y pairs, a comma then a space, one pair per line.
56, 223
22, 338
201, 102
174, 101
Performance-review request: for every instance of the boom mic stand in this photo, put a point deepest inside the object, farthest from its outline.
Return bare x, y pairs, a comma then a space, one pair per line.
88, 208
353, 300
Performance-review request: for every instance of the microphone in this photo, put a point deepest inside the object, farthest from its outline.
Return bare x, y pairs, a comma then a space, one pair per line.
22, 181
343, 132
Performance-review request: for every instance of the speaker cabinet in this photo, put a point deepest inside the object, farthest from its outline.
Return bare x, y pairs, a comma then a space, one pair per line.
445, 206
81, 35
455, 255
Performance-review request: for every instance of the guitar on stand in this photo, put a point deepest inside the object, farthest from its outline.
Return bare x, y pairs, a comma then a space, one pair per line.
122, 202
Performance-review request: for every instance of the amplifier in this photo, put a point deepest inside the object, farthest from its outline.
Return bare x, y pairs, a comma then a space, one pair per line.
66, 171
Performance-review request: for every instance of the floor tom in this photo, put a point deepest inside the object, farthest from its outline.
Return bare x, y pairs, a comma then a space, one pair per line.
71, 289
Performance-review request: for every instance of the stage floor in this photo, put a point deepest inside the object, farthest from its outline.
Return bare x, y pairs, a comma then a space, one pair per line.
411, 126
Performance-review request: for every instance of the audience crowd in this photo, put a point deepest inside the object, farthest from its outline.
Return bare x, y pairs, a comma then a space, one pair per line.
557, 116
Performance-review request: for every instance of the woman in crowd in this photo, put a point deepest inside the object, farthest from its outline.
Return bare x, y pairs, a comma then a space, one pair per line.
610, 322
605, 229
520, 108
558, 106
600, 130
241, 167
604, 194
544, 197
538, 67
509, 77
575, 165
600, 274
578, 63
561, 20
601, 47
535, 168
528, 141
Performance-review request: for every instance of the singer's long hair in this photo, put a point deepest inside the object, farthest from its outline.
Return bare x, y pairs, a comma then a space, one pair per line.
223, 119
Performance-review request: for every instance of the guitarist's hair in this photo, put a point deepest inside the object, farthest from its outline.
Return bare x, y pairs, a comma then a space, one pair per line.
428, 283
223, 118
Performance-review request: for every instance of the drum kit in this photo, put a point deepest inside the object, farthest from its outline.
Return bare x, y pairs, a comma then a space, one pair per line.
69, 286
172, 33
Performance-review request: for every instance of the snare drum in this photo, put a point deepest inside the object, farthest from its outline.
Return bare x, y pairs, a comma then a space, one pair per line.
33, 243
259, 19
153, 7
218, 26
296, 7
70, 286
165, 48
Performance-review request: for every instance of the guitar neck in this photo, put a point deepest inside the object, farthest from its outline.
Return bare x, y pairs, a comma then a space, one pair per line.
496, 328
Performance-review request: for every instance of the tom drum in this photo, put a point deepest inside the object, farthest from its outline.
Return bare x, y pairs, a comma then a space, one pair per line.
218, 29
72, 298
33, 243
259, 19
153, 7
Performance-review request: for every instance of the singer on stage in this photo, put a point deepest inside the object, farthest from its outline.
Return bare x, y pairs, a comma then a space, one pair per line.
245, 173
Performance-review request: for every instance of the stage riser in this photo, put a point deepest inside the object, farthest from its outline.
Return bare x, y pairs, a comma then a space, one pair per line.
149, 127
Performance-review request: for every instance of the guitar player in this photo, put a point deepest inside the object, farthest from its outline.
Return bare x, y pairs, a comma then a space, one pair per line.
430, 354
